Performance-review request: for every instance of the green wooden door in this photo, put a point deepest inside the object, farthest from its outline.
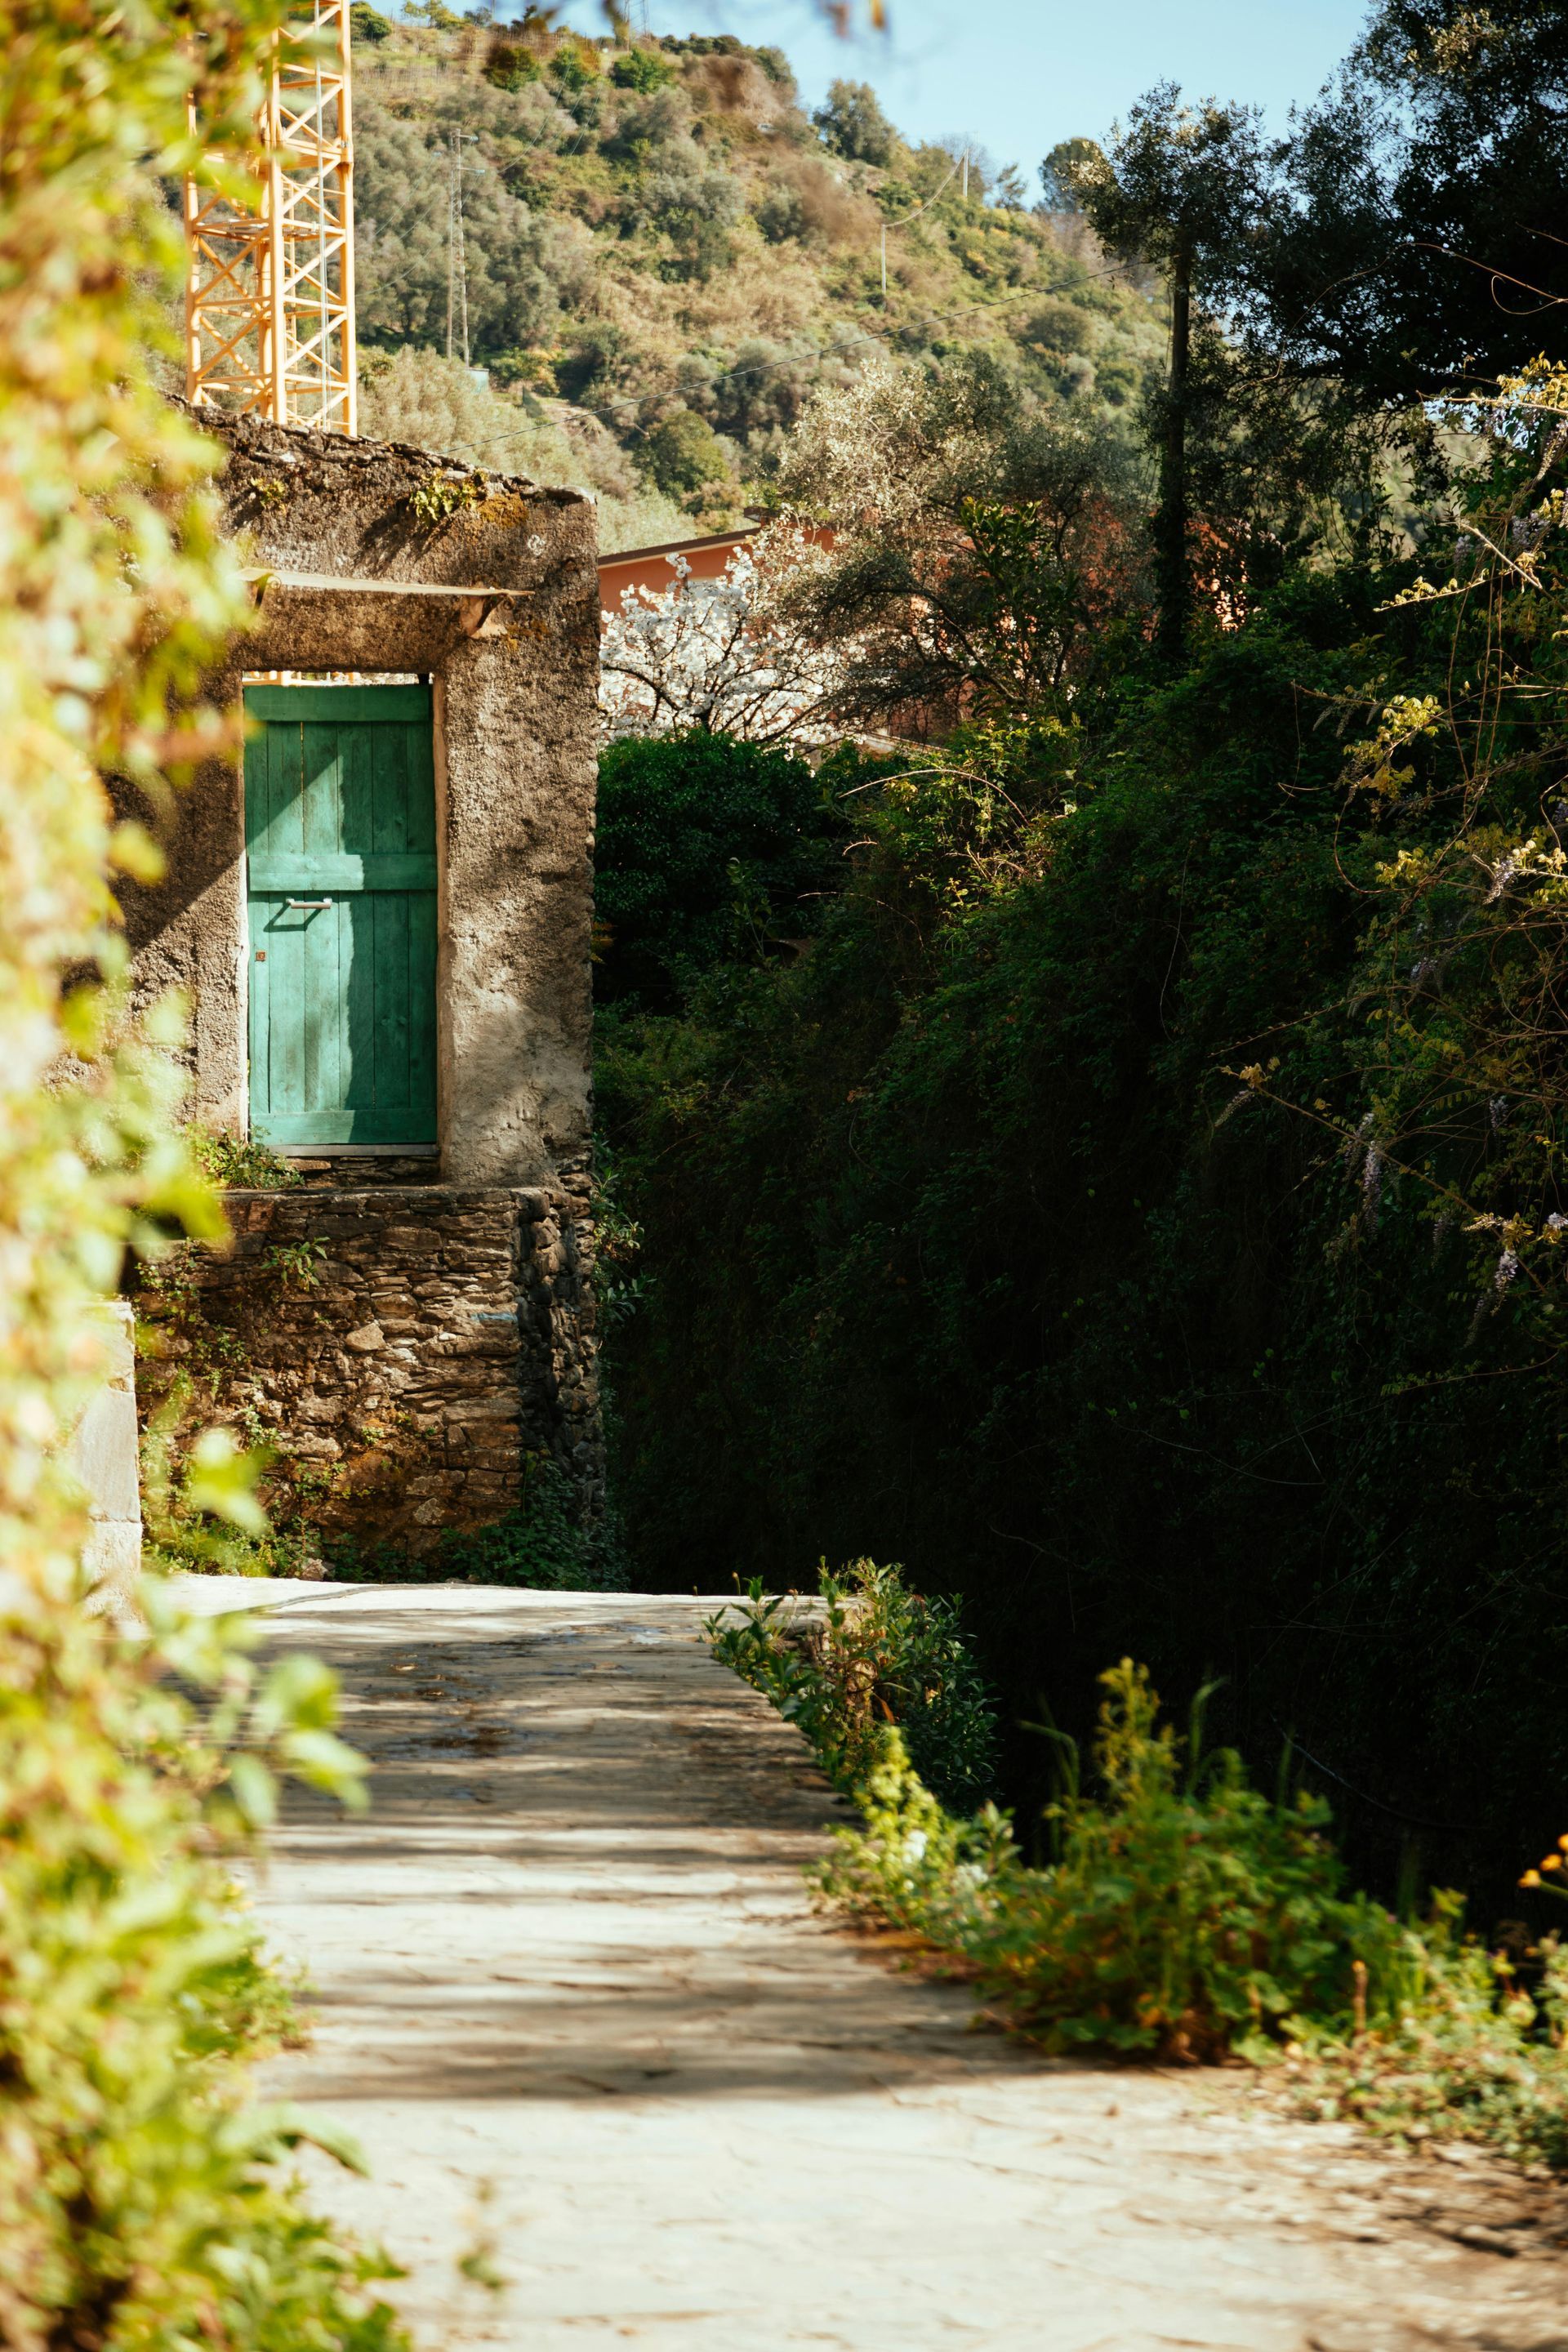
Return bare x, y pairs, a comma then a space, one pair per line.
339, 836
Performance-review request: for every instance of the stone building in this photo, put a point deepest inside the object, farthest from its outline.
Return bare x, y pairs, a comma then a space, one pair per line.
379, 911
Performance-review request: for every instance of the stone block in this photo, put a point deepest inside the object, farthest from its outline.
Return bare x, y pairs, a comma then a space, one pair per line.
103, 1455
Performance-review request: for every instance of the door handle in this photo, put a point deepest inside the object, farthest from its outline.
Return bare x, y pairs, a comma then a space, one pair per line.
308, 902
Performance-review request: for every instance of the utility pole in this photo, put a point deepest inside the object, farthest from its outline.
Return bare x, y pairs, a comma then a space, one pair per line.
269, 296
457, 252
453, 166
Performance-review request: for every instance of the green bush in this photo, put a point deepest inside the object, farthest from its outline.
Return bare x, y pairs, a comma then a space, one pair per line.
1468, 2049
684, 455
574, 68
143, 2207
510, 66
236, 1162
850, 121
542, 1546
708, 849
642, 70
1184, 1916
877, 1654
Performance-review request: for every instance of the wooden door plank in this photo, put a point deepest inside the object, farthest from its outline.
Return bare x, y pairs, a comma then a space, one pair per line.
283, 826
356, 762
420, 753
421, 1002
260, 1021
391, 788
339, 705
388, 916
283, 1054
322, 793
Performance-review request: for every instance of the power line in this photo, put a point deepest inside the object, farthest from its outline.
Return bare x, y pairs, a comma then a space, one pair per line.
931, 200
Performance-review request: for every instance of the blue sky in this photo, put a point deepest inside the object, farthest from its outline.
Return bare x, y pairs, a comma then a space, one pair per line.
1018, 75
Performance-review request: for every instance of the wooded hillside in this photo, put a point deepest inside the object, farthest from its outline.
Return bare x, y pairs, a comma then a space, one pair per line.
665, 257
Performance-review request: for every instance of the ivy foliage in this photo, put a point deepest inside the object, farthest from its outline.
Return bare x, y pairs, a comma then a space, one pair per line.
140, 2198
144, 2205
1140, 1199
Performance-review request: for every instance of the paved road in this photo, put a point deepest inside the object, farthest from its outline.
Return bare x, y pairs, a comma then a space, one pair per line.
601, 2052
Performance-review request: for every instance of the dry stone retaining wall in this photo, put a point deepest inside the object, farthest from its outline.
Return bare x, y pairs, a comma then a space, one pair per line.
404, 1348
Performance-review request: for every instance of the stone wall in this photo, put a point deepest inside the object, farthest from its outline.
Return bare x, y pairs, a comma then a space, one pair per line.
403, 1348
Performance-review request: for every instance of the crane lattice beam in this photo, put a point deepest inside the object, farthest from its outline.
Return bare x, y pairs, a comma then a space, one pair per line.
269, 300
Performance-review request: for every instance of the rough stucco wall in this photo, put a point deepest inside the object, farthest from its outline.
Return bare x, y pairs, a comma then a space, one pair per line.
188, 931
517, 742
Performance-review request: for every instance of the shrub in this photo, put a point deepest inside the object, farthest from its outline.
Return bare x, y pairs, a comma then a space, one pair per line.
697, 210
684, 453
367, 23
1184, 1916
851, 123
508, 65
879, 1653
574, 68
644, 70
140, 2202
1470, 2049
708, 848
1186, 1913
780, 212
238, 1162
541, 1546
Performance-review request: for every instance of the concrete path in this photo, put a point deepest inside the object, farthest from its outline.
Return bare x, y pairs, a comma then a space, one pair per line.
617, 2080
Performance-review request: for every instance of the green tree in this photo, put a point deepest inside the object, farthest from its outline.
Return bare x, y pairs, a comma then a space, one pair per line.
684, 456
642, 70
1420, 255
1182, 187
850, 121
708, 849
979, 537
1058, 173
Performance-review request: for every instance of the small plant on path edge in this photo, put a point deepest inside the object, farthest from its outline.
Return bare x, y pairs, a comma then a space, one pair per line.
1184, 1916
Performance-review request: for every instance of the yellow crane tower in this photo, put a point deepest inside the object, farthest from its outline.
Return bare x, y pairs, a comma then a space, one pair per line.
269, 300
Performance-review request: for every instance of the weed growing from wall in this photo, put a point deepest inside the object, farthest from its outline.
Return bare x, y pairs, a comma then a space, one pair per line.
239, 1163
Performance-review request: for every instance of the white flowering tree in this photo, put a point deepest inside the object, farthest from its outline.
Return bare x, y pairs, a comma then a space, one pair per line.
723, 655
